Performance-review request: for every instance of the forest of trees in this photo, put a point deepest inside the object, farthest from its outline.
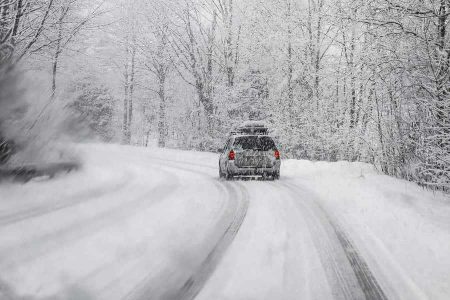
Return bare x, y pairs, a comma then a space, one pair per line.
335, 79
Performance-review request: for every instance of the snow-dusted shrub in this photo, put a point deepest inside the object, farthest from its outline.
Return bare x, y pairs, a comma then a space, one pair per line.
91, 105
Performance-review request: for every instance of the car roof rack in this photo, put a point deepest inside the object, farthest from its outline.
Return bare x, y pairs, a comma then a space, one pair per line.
251, 128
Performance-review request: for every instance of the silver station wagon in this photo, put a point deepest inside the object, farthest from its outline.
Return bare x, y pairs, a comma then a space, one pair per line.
250, 152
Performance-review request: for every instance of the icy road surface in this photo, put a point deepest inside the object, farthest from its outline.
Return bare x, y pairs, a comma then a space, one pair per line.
140, 223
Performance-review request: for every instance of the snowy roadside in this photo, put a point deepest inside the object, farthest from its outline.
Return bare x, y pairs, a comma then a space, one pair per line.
401, 229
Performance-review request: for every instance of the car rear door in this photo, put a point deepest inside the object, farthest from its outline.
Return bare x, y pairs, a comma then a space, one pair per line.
267, 149
251, 152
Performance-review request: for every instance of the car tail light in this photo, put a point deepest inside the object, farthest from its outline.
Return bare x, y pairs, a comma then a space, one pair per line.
277, 154
231, 155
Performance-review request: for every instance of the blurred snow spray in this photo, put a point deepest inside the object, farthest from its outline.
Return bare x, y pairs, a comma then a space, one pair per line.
31, 126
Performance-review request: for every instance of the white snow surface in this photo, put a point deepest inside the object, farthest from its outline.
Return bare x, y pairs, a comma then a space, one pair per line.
138, 223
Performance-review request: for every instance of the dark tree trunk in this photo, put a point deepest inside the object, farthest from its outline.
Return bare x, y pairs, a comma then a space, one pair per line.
162, 130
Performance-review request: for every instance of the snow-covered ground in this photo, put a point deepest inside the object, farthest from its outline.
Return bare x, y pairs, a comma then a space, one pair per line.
402, 229
138, 223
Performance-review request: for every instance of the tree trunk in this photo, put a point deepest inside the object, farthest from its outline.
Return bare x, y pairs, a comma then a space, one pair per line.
443, 57
162, 130
125, 122
317, 54
352, 81
229, 45
19, 14
58, 49
290, 67
131, 90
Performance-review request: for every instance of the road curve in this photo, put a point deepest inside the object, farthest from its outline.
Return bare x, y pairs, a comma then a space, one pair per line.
173, 230
131, 232
347, 273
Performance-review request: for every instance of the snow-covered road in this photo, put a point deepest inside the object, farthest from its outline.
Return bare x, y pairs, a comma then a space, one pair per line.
158, 224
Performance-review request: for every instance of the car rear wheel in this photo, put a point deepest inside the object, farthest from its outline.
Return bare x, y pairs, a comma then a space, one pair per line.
221, 174
276, 175
228, 176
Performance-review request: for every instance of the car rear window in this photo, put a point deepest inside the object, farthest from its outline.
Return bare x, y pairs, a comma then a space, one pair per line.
263, 143
266, 143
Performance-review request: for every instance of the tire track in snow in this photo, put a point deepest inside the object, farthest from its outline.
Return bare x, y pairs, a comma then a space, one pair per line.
178, 162
195, 283
35, 248
233, 217
73, 200
366, 281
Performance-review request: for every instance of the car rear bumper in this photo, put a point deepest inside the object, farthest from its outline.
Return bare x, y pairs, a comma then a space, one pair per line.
236, 171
